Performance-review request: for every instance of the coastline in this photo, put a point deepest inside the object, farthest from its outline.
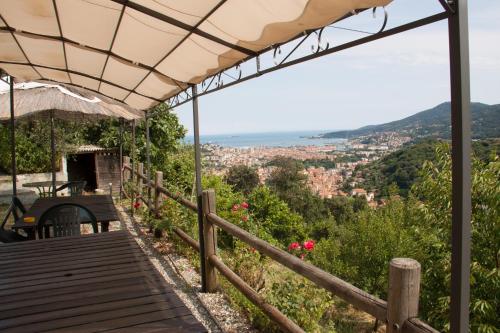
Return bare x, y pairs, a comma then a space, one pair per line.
271, 139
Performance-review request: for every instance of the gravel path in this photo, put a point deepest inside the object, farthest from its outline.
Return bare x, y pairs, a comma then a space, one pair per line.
212, 310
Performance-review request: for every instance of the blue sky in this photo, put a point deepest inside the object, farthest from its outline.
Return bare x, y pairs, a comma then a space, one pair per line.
374, 83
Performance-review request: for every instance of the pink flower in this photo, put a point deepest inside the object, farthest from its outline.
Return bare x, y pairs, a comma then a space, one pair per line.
302, 256
294, 246
309, 245
235, 207
244, 218
244, 205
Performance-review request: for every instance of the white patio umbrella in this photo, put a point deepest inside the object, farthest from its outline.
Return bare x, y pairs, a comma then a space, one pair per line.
34, 100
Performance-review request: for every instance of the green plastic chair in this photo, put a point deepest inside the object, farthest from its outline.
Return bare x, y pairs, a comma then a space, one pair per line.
75, 187
66, 219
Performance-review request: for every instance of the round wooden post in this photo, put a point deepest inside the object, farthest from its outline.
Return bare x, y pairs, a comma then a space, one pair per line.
157, 194
140, 181
210, 237
126, 172
404, 290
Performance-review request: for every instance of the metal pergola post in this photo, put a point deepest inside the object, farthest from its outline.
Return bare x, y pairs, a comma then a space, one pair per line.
13, 138
199, 189
53, 152
148, 157
121, 157
461, 168
133, 162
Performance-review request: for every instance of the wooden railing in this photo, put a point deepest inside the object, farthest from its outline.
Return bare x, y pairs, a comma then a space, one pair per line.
399, 313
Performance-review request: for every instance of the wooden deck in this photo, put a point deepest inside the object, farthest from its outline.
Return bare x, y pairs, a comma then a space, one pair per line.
90, 283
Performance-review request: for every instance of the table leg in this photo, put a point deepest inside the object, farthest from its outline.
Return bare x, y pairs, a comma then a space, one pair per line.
30, 233
104, 226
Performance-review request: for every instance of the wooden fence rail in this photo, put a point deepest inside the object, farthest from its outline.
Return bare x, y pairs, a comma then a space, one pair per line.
398, 313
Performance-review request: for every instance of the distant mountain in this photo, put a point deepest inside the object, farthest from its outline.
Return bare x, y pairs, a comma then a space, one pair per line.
434, 123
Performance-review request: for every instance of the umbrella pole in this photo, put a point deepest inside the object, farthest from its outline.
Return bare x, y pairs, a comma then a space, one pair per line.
53, 152
13, 138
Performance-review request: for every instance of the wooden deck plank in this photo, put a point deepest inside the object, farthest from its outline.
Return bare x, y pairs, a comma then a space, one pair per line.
35, 277
186, 323
98, 308
67, 276
47, 242
121, 258
65, 294
103, 320
61, 257
40, 252
89, 283
132, 290
78, 282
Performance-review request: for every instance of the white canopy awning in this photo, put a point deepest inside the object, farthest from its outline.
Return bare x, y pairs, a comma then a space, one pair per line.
142, 52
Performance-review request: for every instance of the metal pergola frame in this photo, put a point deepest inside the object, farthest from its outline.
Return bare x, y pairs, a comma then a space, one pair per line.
456, 13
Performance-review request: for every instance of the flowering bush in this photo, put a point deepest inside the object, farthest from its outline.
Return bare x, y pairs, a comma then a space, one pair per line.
294, 246
309, 245
243, 206
299, 250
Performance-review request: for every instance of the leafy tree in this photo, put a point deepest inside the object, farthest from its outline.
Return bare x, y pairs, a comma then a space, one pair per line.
340, 208
360, 249
287, 176
434, 234
167, 152
359, 203
165, 135
243, 178
419, 227
288, 181
275, 216
33, 152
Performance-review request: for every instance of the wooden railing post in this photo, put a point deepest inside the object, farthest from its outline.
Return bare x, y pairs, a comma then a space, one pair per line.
404, 290
140, 181
210, 237
157, 194
126, 172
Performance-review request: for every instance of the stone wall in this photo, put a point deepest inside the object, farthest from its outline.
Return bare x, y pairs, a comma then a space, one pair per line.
28, 195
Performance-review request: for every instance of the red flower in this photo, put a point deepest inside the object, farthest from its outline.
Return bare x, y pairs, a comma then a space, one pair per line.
302, 256
309, 245
137, 204
244, 205
294, 246
244, 218
235, 207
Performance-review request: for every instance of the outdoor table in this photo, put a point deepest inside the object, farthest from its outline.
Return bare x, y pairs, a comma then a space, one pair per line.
101, 206
44, 188
88, 283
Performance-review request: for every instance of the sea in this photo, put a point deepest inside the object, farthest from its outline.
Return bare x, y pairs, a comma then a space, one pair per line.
269, 139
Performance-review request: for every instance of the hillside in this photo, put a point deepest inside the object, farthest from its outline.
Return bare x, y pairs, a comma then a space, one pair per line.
401, 167
434, 123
